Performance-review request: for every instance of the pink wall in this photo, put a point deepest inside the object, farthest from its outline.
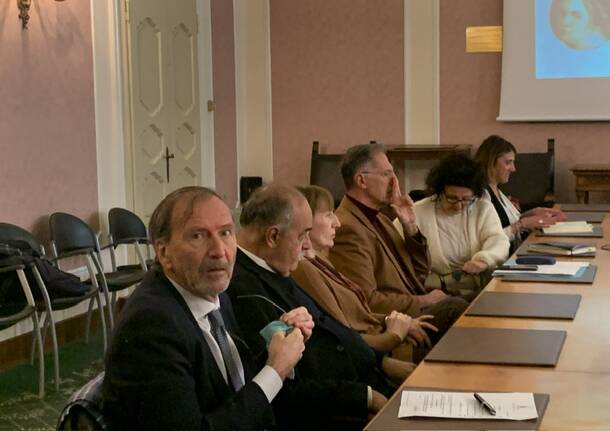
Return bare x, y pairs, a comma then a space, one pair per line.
470, 96
225, 139
47, 122
337, 77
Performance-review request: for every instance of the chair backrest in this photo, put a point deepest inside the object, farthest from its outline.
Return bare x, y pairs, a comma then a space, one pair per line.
124, 225
533, 183
12, 232
326, 172
70, 233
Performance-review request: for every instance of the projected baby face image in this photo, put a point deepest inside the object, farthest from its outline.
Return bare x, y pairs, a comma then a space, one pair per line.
581, 24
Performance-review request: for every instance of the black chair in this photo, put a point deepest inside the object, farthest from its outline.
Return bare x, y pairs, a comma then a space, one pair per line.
70, 236
533, 184
15, 312
47, 305
83, 411
126, 228
326, 172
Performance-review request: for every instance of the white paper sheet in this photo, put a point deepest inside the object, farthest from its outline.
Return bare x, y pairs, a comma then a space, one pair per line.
463, 405
569, 227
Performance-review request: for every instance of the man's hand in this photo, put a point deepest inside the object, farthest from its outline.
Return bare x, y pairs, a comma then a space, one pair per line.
398, 323
299, 318
417, 332
377, 402
474, 267
403, 208
396, 370
285, 351
431, 298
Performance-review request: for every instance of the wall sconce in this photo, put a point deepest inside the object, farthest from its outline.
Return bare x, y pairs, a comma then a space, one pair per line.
24, 11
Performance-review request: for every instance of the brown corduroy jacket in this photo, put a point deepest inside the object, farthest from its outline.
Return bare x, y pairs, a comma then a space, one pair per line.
361, 254
333, 294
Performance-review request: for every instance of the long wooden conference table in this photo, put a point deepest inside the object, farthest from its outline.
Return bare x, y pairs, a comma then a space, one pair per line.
579, 385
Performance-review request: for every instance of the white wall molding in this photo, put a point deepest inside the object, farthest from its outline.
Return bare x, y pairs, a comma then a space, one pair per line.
253, 88
421, 39
110, 142
206, 92
421, 56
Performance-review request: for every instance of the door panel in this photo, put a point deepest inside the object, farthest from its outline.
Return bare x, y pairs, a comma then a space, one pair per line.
164, 99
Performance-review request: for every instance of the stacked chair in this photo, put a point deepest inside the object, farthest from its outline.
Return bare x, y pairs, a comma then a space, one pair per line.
71, 236
127, 229
11, 314
46, 305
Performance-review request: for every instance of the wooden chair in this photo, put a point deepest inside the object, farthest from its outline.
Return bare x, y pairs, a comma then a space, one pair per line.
326, 172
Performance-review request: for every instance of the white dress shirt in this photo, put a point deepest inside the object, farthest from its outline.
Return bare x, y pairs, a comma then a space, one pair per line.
267, 379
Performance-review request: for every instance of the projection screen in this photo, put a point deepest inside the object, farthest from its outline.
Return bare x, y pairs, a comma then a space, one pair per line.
555, 60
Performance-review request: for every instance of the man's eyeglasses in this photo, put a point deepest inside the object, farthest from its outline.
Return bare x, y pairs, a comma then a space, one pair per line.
386, 174
453, 200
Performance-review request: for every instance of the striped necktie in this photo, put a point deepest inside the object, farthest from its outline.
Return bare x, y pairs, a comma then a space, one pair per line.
221, 336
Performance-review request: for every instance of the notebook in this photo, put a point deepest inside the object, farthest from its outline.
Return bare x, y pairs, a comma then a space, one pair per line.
524, 250
556, 248
532, 347
526, 305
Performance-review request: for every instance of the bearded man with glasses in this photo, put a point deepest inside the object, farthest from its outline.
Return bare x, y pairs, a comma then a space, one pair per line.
464, 233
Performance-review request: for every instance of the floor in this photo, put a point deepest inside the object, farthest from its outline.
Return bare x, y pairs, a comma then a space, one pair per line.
20, 407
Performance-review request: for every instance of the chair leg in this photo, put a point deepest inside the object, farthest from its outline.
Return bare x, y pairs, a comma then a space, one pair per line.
110, 314
114, 301
88, 321
55, 350
43, 332
33, 347
103, 319
38, 338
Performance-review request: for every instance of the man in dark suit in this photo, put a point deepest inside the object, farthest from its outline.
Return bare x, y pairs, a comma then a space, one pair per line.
176, 360
339, 375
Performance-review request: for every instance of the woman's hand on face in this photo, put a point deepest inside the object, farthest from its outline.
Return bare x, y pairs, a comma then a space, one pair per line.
474, 267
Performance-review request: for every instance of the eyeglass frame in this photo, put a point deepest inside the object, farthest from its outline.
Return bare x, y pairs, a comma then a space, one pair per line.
387, 174
454, 201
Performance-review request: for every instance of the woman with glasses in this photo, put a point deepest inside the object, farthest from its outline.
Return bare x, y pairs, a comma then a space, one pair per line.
496, 156
464, 234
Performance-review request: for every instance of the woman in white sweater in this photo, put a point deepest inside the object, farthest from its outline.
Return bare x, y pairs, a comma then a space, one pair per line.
464, 234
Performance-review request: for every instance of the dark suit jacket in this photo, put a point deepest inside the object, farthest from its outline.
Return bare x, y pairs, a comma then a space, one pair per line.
337, 364
160, 372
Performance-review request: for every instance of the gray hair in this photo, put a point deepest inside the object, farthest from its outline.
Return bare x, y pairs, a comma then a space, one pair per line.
355, 158
271, 205
160, 224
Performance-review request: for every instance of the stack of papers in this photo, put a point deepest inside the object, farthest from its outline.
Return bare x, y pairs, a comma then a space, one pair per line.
462, 405
559, 268
561, 248
569, 227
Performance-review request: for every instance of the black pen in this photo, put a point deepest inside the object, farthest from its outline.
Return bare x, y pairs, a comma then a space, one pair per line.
485, 404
